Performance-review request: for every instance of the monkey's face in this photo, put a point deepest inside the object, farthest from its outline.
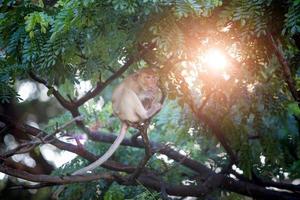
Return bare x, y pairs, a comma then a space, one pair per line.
149, 81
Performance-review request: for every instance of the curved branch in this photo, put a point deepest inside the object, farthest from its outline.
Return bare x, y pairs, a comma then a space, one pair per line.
238, 186
65, 103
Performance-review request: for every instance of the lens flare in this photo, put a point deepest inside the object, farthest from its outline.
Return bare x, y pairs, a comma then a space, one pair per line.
214, 59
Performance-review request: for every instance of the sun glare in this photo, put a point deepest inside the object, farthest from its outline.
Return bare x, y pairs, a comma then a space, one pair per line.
214, 59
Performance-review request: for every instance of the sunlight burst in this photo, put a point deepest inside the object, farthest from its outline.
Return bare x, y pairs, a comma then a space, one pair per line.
215, 59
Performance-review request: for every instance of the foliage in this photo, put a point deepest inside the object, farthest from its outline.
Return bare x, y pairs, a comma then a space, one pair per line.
292, 21
78, 41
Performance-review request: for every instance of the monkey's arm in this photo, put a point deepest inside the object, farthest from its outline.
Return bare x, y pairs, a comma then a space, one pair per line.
142, 112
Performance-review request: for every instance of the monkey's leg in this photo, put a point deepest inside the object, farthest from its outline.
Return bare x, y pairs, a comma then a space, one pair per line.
148, 154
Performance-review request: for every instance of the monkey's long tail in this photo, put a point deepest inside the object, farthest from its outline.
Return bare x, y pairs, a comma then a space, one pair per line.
98, 162
107, 154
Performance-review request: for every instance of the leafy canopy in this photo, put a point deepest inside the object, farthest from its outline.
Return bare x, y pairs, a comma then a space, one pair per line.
74, 41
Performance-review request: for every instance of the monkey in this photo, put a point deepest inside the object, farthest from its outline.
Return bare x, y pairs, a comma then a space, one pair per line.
134, 100
127, 102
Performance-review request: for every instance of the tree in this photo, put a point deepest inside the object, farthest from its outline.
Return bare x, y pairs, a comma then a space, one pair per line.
224, 133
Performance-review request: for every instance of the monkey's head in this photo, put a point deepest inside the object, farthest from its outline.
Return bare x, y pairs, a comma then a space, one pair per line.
148, 79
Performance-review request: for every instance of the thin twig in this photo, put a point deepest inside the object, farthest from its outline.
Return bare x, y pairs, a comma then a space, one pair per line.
28, 146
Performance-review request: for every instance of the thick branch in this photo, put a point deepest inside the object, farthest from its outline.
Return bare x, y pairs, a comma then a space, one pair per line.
219, 134
285, 68
266, 183
41, 178
178, 190
228, 183
286, 186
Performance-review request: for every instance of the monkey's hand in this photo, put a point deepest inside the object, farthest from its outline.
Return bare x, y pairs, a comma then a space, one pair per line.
157, 107
154, 109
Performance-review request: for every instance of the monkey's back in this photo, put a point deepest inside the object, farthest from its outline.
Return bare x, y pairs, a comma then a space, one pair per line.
124, 103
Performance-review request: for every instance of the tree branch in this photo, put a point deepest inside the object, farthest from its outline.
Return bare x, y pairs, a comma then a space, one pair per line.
46, 180
265, 183
285, 68
65, 103
41, 178
148, 152
241, 187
